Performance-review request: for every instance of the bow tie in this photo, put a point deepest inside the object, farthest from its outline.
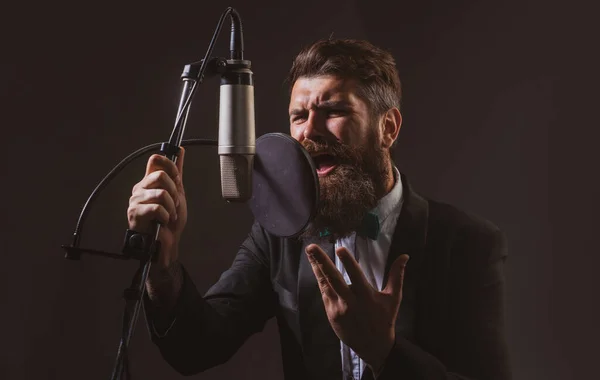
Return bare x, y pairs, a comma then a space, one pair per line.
369, 227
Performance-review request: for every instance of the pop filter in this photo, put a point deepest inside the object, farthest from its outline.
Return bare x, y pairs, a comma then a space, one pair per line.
285, 185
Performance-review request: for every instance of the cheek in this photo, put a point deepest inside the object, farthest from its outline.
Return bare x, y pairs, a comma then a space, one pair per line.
296, 132
348, 132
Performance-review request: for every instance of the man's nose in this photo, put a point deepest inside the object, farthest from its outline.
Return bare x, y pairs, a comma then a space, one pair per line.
314, 128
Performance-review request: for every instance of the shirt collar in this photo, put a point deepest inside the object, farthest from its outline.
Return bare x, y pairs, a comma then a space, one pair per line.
392, 200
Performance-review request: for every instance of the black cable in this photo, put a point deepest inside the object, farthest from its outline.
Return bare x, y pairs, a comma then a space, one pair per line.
116, 170
119, 167
200, 77
175, 140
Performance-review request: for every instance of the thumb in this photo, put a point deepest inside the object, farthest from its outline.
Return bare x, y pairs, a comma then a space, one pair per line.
396, 277
179, 162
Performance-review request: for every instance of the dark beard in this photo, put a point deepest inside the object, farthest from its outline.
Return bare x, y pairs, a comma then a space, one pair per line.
352, 189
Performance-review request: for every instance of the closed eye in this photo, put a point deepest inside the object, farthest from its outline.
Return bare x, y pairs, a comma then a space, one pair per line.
298, 115
297, 118
337, 113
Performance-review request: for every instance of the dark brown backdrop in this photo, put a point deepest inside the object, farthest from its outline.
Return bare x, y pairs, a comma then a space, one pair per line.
84, 84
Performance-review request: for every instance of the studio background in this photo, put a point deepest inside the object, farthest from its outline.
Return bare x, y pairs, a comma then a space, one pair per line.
84, 84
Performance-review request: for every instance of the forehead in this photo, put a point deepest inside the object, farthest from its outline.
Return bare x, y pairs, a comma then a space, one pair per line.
309, 91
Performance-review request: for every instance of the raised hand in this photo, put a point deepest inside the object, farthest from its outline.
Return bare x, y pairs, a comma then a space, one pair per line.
362, 317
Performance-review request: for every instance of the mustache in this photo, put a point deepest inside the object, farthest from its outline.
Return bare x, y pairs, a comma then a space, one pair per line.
340, 151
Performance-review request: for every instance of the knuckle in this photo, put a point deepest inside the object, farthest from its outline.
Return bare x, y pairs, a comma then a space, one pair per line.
155, 160
130, 213
132, 216
161, 194
147, 181
163, 177
132, 199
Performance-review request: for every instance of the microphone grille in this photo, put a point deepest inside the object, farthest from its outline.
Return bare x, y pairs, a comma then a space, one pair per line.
236, 177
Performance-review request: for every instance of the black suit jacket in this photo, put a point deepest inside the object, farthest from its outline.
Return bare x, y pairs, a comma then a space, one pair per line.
450, 323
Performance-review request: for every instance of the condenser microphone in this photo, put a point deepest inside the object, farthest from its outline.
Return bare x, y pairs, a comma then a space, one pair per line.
237, 144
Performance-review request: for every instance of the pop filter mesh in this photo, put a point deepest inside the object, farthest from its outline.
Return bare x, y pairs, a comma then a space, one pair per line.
285, 187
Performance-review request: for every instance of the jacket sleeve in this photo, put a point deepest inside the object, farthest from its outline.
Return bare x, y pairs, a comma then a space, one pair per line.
207, 331
474, 345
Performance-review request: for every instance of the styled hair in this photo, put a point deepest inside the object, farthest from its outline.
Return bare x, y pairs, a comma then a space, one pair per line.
374, 70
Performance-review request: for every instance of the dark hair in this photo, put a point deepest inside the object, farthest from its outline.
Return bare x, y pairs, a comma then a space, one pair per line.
373, 68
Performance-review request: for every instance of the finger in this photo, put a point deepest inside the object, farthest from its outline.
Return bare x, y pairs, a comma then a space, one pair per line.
324, 285
359, 281
159, 180
156, 196
142, 215
158, 162
396, 277
179, 164
326, 271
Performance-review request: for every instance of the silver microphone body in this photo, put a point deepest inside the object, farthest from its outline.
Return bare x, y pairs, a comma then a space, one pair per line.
237, 137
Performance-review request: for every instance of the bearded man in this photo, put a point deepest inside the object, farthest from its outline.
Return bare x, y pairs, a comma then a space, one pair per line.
347, 303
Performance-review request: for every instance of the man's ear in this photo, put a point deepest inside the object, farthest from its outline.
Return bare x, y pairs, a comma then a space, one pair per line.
391, 123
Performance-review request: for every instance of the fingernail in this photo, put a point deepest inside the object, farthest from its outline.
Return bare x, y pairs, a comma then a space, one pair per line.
175, 217
177, 202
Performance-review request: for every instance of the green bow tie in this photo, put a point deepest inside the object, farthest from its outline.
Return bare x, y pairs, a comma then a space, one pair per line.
368, 228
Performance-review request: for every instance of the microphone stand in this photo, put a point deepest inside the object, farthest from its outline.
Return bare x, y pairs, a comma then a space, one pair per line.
135, 293
145, 246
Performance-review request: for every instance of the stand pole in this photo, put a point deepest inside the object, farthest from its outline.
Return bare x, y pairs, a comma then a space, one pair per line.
136, 292
131, 320
193, 75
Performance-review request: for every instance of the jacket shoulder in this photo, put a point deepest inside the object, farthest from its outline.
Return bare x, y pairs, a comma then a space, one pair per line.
465, 234
445, 214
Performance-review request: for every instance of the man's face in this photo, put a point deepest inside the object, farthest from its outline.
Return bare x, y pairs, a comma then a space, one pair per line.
329, 108
334, 125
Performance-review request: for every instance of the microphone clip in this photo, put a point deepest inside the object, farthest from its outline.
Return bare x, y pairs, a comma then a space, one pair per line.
215, 66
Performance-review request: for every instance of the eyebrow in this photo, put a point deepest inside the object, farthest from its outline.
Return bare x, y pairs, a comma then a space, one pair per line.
328, 104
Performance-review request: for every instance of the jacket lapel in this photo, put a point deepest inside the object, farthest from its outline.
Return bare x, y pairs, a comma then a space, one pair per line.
409, 238
320, 345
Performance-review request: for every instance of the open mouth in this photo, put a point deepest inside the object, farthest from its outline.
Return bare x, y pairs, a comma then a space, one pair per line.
325, 163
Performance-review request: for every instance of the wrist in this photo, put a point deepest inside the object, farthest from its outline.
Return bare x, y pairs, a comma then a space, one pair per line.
164, 284
163, 270
377, 362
